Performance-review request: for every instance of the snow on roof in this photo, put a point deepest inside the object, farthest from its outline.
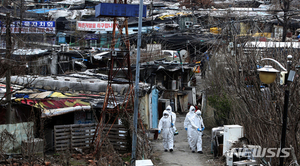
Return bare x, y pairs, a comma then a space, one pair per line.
61, 111
100, 55
29, 51
80, 64
72, 2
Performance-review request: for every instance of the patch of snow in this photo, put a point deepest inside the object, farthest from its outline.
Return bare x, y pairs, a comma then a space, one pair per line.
29, 51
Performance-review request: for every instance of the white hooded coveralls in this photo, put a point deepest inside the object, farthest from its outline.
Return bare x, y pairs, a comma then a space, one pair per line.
196, 136
187, 123
166, 130
173, 117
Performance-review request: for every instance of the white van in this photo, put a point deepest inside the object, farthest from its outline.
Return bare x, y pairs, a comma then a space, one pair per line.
170, 55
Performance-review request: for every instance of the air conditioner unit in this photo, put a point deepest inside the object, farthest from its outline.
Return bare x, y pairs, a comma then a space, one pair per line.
231, 134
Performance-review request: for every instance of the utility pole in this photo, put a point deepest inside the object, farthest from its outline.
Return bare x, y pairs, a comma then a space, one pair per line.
15, 9
187, 45
285, 111
8, 72
20, 25
152, 15
136, 87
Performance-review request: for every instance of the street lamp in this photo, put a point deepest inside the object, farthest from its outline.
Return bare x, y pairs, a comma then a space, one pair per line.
267, 75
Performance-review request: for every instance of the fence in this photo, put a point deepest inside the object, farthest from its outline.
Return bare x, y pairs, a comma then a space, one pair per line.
68, 137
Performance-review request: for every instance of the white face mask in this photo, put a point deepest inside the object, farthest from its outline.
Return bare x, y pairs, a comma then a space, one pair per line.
166, 116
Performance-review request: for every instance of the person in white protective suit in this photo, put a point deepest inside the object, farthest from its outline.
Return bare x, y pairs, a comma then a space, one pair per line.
187, 124
165, 127
197, 131
173, 118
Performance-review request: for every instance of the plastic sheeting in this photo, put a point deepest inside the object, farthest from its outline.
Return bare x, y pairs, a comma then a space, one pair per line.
12, 136
60, 111
53, 107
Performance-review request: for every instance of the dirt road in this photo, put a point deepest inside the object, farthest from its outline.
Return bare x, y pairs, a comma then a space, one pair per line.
182, 155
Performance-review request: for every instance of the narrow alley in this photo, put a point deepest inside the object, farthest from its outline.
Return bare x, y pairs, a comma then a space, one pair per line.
182, 155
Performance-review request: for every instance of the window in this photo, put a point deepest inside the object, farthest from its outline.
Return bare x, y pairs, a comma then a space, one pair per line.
167, 53
88, 115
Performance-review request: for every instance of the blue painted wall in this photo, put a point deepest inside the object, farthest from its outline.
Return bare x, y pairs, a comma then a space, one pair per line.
154, 108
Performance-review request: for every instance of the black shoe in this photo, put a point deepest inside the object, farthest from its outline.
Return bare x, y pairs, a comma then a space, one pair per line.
193, 151
200, 152
171, 150
166, 150
176, 132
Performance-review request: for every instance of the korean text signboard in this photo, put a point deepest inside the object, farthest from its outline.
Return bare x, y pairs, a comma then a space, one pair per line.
95, 26
31, 27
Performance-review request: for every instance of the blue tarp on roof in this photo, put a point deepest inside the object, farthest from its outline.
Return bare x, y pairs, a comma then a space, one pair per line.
42, 11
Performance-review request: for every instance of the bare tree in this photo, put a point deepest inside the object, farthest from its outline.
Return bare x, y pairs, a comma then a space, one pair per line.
239, 97
287, 7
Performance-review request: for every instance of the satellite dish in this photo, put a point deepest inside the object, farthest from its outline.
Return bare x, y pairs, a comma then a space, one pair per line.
183, 53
